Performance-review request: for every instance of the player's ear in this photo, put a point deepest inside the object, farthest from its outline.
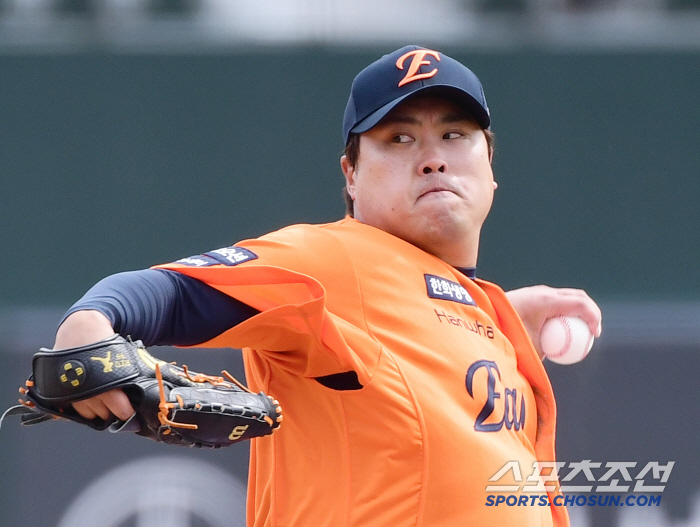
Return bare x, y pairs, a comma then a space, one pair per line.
349, 173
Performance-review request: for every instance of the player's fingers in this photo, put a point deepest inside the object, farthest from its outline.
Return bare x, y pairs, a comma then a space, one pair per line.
100, 409
91, 409
105, 405
536, 304
576, 302
84, 409
118, 404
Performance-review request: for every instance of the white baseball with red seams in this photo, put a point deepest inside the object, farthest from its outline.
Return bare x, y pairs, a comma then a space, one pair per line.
565, 340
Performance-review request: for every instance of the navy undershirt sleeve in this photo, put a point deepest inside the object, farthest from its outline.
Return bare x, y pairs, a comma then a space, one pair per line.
162, 307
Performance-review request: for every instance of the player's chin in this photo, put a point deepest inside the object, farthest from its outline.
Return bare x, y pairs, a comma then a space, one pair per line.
442, 226
444, 210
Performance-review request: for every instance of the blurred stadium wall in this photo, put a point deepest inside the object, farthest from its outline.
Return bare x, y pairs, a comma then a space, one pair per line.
134, 133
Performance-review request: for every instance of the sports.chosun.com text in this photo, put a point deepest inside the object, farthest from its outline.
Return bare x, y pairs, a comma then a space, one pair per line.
573, 500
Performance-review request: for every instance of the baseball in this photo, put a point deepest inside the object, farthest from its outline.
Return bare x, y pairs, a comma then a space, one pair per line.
565, 340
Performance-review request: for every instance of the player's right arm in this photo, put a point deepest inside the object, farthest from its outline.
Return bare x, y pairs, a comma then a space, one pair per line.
157, 307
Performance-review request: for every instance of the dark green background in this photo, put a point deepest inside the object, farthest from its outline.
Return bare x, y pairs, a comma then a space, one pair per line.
113, 162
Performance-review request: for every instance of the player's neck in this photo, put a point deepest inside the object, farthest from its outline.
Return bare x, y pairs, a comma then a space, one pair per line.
457, 255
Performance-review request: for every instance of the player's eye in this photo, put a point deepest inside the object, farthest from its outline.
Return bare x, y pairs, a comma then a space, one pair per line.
452, 135
401, 138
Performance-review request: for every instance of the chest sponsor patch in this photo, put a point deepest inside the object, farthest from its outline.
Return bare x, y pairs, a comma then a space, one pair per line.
228, 256
445, 289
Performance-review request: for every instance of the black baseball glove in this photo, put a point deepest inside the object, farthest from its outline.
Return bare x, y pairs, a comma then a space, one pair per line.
172, 404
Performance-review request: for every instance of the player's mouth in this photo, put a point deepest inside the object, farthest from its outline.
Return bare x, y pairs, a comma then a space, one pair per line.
437, 190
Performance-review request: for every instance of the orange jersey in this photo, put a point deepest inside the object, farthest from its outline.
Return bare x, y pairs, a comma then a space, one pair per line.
450, 387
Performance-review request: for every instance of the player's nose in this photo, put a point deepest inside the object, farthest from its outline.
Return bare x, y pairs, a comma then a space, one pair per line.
431, 164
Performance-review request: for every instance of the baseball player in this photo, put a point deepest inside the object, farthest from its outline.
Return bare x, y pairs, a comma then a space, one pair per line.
407, 382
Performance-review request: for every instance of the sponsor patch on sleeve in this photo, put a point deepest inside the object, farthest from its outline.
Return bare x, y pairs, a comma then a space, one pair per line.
447, 290
227, 255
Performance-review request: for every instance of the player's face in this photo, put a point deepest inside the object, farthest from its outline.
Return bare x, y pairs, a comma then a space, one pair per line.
424, 175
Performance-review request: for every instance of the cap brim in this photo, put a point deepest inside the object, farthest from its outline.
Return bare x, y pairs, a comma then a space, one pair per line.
445, 91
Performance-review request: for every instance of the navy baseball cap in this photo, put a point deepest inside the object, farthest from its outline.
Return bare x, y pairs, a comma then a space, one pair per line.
382, 85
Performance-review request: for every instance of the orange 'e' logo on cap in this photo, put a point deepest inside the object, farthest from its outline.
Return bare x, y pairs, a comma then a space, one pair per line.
417, 62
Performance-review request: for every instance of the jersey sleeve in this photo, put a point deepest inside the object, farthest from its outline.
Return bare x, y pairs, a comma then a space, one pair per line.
299, 279
161, 307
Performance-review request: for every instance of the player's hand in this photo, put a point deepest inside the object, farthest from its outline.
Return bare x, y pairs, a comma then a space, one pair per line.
85, 327
537, 303
114, 402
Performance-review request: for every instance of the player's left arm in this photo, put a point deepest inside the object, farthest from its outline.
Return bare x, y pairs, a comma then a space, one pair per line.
535, 304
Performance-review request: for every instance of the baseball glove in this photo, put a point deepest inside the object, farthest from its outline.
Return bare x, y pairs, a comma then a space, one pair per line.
172, 404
